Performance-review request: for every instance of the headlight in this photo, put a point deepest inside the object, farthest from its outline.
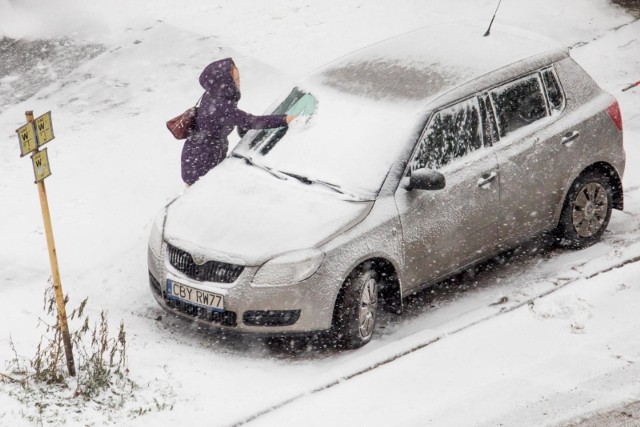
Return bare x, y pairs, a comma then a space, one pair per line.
290, 268
155, 238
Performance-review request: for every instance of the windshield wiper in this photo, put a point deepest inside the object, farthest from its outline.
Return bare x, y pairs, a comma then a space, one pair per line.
302, 179
310, 181
334, 187
250, 162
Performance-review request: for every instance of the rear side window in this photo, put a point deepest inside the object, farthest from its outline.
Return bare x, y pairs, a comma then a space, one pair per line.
554, 91
451, 133
519, 103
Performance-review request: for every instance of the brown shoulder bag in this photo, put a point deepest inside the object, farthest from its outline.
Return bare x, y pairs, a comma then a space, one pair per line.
182, 126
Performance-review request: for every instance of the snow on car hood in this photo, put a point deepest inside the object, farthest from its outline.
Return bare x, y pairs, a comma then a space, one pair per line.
243, 215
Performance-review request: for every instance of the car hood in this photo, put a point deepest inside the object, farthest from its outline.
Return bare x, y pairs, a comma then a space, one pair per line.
243, 215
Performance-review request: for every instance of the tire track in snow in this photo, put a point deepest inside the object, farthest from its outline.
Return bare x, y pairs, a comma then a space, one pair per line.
619, 27
413, 349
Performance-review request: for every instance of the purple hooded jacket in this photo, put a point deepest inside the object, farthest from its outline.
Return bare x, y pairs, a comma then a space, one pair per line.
218, 114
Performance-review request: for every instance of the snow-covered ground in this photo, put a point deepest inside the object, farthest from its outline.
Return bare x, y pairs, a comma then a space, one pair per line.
560, 345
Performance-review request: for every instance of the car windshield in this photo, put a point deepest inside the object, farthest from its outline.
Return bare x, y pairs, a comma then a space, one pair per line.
335, 141
297, 103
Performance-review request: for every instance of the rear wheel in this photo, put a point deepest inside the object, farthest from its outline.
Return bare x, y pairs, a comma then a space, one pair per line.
356, 310
586, 211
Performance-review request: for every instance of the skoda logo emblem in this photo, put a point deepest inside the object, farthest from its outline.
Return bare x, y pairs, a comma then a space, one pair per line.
198, 259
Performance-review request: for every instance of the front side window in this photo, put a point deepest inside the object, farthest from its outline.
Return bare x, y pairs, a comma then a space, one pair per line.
554, 92
519, 103
451, 133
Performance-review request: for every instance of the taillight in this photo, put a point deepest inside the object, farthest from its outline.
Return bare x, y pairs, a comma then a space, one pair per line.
614, 113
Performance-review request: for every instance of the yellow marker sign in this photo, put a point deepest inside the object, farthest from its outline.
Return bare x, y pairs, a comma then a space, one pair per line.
32, 135
41, 165
44, 129
27, 137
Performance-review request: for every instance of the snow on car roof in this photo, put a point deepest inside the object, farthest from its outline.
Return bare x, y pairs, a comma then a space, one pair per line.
426, 62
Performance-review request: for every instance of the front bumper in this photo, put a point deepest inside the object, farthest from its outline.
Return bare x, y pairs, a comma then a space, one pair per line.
302, 307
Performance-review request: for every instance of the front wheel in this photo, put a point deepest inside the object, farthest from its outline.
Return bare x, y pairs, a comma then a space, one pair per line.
357, 309
586, 211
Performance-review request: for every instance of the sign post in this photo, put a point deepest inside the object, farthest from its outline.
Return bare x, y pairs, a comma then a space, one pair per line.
32, 136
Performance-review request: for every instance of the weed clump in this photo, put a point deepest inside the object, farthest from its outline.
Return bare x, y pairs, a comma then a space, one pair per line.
42, 383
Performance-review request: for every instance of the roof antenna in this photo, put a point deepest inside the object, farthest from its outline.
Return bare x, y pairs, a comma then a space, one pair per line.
494, 17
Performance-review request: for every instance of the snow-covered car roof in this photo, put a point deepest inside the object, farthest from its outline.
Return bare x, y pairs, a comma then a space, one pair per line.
424, 63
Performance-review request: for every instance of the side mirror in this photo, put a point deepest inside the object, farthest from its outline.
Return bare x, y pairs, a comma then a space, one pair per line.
426, 179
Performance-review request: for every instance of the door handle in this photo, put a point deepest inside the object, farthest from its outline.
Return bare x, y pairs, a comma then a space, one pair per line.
571, 136
487, 178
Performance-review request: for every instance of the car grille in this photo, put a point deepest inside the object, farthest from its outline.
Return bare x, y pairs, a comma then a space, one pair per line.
210, 271
226, 318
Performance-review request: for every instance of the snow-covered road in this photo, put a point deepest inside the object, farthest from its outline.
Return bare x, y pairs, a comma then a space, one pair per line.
537, 337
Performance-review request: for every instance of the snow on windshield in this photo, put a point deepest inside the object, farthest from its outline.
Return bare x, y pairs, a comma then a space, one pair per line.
344, 142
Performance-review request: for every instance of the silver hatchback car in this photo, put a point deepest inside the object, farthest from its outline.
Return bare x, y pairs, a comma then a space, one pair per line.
410, 161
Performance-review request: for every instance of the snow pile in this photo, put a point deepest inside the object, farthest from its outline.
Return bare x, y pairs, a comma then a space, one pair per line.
570, 307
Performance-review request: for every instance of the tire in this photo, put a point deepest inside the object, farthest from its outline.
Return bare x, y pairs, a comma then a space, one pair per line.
586, 211
356, 309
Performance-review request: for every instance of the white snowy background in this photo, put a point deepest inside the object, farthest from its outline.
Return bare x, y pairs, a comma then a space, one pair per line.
564, 345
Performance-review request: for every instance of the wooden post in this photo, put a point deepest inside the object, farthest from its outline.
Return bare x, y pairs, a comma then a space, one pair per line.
55, 272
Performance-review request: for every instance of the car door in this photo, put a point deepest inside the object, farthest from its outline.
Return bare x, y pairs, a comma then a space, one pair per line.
444, 230
530, 153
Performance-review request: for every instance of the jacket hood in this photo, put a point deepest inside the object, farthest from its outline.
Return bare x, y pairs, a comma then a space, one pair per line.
217, 80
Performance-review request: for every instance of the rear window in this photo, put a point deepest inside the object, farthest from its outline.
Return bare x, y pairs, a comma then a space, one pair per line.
519, 103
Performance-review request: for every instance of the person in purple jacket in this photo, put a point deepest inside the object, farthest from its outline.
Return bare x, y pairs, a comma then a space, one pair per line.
217, 115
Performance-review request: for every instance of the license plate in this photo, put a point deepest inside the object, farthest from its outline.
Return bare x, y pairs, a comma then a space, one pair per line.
195, 296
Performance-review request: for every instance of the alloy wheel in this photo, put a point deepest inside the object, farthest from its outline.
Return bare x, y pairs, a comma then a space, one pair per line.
590, 209
368, 308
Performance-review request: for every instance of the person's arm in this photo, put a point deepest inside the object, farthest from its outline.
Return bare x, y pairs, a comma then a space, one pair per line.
249, 121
